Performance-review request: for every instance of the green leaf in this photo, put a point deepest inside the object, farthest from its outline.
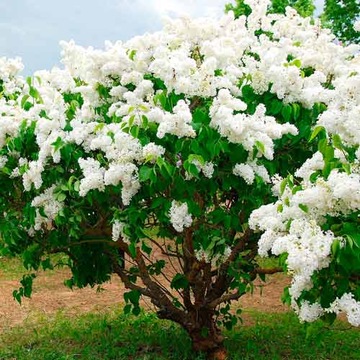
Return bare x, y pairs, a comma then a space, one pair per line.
347, 168
318, 130
283, 184
134, 131
58, 143
196, 158
157, 202
145, 173
275, 107
34, 93
248, 92
127, 309
61, 197
336, 140
132, 54
132, 296
131, 121
286, 112
179, 281
191, 169
260, 146
132, 249
297, 63
146, 249
24, 100
296, 109
304, 208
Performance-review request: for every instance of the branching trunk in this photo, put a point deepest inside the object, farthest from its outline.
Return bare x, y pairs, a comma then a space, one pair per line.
205, 335
207, 289
201, 326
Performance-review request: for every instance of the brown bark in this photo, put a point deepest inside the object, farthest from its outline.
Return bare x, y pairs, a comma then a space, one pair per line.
205, 335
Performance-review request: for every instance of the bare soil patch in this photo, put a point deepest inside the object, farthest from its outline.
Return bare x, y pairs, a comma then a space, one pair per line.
50, 296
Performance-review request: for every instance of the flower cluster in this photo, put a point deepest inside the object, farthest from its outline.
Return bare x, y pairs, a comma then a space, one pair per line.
179, 216
50, 206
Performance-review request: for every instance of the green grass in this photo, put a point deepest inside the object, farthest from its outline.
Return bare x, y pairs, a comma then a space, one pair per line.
11, 268
113, 335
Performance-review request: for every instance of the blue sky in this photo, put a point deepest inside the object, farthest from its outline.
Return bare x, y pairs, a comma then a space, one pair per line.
32, 29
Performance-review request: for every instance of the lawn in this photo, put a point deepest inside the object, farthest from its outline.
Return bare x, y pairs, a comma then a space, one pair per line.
104, 332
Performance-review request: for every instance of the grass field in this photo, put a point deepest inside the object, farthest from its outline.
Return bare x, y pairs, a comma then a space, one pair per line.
107, 334
112, 335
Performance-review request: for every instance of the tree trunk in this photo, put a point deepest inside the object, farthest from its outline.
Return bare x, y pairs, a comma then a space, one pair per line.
205, 335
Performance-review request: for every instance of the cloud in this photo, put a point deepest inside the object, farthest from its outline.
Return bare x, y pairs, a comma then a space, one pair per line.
175, 8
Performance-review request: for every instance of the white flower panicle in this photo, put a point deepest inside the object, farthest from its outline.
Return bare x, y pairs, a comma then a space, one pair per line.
178, 123
127, 174
118, 231
245, 171
345, 304
248, 130
3, 161
349, 306
207, 168
179, 216
210, 257
50, 206
33, 175
357, 26
308, 312
307, 245
152, 151
9, 71
93, 176
249, 170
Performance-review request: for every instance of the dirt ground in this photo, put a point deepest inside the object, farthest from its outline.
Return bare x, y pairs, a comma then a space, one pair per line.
50, 296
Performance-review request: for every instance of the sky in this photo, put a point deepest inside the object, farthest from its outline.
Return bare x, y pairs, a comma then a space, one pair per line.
32, 29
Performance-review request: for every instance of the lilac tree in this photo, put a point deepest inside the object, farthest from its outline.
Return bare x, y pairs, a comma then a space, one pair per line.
210, 142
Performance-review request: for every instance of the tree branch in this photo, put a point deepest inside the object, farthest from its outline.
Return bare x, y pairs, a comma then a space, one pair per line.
224, 298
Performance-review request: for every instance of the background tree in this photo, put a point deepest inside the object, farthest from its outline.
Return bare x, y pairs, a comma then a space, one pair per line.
239, 8
190, 151
303, 7
340, 17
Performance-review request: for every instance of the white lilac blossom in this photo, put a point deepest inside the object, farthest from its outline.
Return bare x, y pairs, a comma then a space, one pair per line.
152, 151
177, 123
93, 176
309, 312
3, 161
118, 231
207, 168
33, 175
212, 258
345, 304
349, 306
127, 175
357, 26
50, 206
9, 71
308, 250
248, 130
179, 216
307, 245
249, 170
245, 171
